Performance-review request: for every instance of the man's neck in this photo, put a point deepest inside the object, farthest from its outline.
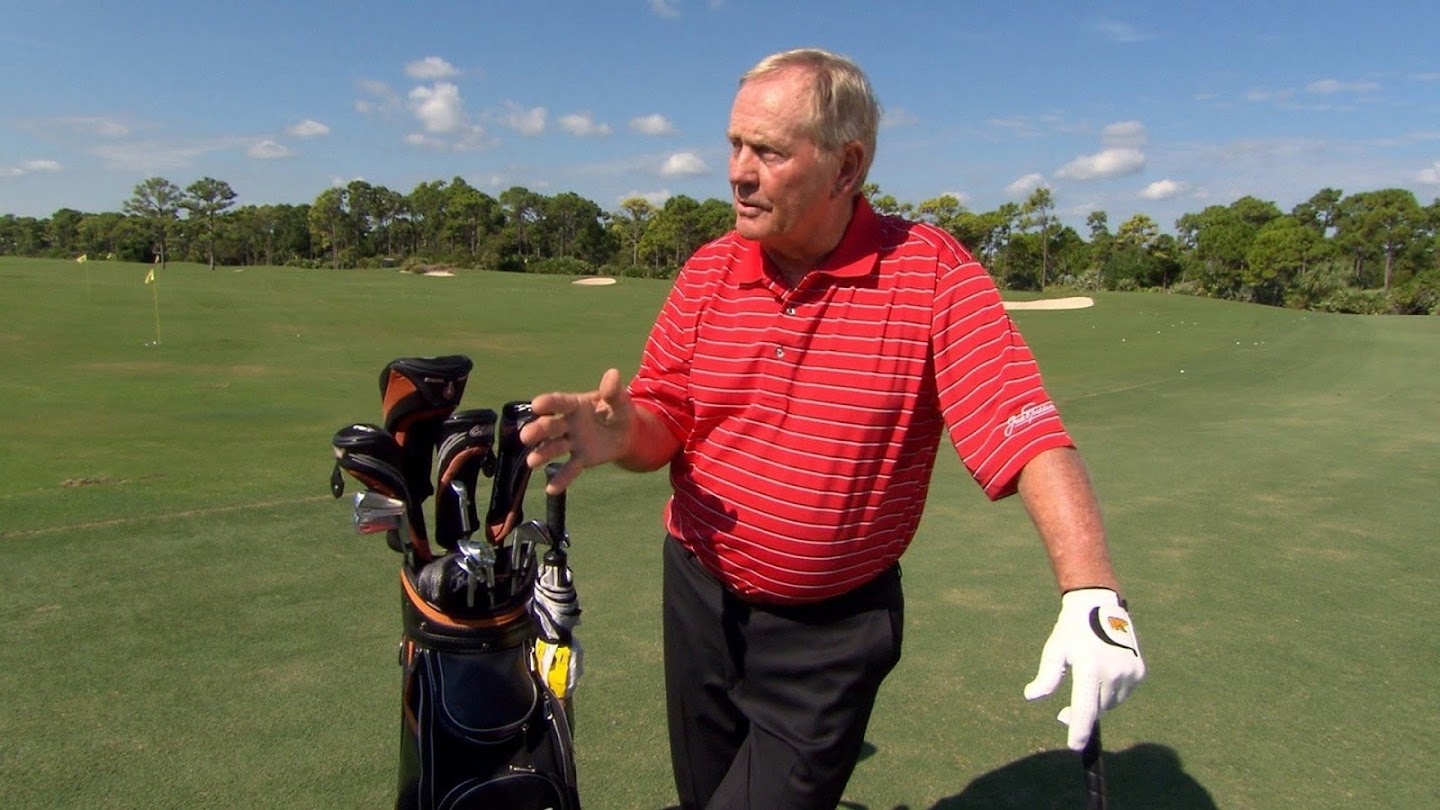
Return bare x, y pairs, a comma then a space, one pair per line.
795, 266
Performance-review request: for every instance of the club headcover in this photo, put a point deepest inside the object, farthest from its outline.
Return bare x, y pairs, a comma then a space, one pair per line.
370, 455
512, 474
467, 449
416, 395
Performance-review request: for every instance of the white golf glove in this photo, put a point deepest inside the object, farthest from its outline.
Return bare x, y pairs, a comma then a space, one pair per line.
1095, 638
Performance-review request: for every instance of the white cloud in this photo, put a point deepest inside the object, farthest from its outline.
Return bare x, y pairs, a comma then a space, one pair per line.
897, 117
1429, 175
1163, 190
655, 198
526, 122
1121, 32
1261, 95
30, 167
1025, 185
104, 127
653, 124
1104, 164
684, 164
959, 195
79, 124
424, 141
438, 107
664, 8
1020, 128
381, 100
267, 150
308, 128
583, 125
473, 139
1327, 87
431, 68
469, 138
155, 155
1123, 134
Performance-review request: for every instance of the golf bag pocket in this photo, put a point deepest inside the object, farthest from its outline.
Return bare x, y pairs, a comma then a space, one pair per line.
480, 731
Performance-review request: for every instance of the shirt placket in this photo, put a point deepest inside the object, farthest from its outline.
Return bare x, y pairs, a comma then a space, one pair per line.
786, 342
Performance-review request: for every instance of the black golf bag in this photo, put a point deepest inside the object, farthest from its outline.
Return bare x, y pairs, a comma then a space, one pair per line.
480, 729
482, 725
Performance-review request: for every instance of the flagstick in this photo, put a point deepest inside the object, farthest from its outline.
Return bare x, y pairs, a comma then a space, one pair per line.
155, 289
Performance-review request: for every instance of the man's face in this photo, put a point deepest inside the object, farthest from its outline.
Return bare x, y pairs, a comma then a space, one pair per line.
785, 188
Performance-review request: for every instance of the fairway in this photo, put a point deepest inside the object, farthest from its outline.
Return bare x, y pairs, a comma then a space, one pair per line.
189, 620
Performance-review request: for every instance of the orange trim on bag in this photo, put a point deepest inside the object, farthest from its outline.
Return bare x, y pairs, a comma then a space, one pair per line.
451, 622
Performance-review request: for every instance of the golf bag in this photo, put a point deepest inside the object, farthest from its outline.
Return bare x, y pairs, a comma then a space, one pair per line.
479, 727
487, 655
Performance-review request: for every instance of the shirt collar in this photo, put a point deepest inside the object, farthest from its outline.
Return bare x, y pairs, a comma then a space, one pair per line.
854, 257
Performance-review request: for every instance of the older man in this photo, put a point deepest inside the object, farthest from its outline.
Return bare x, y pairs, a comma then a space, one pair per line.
797, 382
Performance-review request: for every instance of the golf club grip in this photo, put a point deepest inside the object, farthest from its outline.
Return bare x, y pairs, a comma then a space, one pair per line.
1094, 765
554, 504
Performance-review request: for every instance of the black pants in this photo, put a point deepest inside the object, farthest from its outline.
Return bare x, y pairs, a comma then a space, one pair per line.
768, 704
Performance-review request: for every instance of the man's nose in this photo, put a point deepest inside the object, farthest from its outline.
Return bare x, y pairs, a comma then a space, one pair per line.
742, 167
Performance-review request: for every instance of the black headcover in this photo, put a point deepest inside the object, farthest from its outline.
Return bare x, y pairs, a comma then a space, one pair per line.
416, 394
372, 456
512, 474
467, 449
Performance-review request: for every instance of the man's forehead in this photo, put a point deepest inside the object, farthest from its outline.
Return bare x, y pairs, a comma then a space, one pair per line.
771, 106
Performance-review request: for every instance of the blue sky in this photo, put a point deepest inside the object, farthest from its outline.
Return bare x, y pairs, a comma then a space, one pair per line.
1156, 108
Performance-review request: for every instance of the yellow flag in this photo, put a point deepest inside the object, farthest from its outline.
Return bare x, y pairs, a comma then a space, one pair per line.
150, 276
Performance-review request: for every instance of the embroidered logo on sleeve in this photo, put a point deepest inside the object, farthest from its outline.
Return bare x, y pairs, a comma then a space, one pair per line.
1028, 414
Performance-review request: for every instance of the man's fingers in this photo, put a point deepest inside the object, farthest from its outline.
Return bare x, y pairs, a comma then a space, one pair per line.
1084, 707
1047, 678
562, 479
544, 453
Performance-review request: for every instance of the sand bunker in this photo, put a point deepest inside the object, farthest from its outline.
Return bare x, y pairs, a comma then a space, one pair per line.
594, 281
1078, 302
438, 273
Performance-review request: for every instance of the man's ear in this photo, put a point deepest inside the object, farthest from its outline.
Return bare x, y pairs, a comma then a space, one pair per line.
848, 174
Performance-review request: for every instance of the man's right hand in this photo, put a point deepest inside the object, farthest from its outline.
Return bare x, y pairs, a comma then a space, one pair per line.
594, 428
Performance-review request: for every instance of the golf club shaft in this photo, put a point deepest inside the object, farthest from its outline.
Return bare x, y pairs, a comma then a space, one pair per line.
555, 504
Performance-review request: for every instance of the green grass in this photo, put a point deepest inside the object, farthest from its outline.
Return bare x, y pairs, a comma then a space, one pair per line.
189, 620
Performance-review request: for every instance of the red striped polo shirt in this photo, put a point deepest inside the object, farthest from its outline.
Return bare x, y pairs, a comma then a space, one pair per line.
809, 417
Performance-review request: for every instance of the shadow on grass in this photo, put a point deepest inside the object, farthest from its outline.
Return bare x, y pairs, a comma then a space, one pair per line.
1146, 776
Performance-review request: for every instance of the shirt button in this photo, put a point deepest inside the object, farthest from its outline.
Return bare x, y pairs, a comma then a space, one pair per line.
779, 351
789, 310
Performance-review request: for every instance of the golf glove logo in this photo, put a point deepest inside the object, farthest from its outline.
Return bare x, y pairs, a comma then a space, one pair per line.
1094, 638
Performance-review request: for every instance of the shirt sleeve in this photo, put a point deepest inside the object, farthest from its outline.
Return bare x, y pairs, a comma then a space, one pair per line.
996, 409
662, 384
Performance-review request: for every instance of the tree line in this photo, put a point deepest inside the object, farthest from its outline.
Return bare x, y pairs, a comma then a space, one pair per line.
1367, 252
